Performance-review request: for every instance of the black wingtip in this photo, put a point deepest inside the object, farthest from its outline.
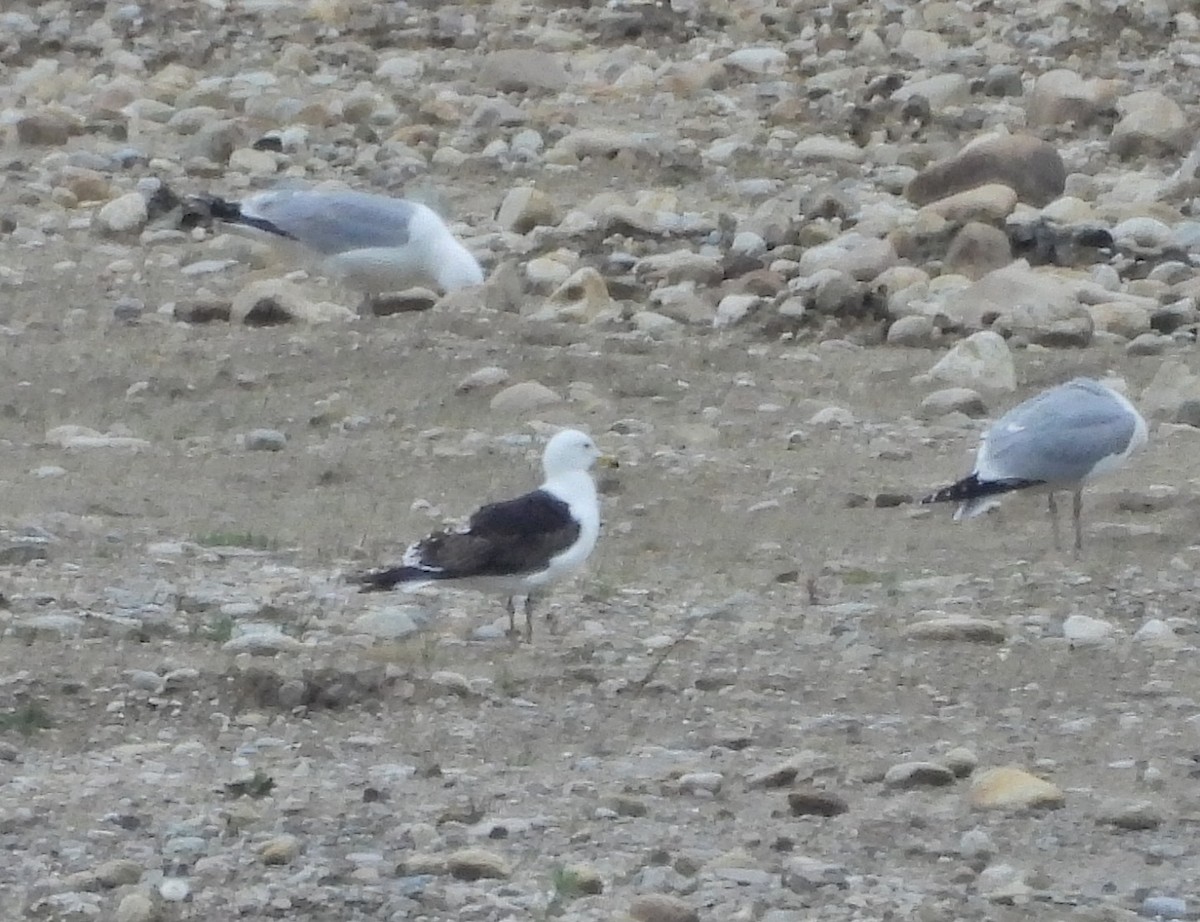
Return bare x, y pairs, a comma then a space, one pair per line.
202, 210
972, 487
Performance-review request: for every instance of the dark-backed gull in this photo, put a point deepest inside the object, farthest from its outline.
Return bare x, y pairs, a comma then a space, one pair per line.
1061, 439
516, 547
373, 243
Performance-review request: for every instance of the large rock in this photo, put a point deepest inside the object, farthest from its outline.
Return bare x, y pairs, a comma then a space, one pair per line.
1017, 300
941, 91
1029, 166
524, 208
854, 254
1061, 96
126, 214
992, 202
982, 360
1011, 788
1152, 125
518, 70
978, 249
1172, 392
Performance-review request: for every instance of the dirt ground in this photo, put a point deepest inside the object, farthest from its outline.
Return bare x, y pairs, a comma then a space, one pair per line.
748, 606
811, 584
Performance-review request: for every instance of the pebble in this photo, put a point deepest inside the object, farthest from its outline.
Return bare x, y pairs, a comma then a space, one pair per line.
409, 301
662, 907
477, 864
918, 774
174, 889
803, 874
1164, 907
264, 440
957, 628
733, 309
1084, 631
952, 400
524, 208
484, 378
390, 623
282, 849
118, 873
136, 906
915, 331
976, 844
814, 802
1130, 815
524, 397
961, 761
700, 782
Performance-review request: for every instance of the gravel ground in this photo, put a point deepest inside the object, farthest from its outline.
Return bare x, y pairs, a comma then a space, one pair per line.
738, 243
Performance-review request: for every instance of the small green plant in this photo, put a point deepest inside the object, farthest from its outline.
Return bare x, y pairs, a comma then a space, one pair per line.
26, 719
600, 590
258, 785
219, 630
568, 884
857, 576
247, 539
506, 681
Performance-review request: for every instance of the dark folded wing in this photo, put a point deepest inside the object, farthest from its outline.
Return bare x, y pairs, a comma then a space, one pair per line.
503, 539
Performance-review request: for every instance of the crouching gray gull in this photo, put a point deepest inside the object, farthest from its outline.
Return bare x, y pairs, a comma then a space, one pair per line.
515, 547
373, 243
1061, 439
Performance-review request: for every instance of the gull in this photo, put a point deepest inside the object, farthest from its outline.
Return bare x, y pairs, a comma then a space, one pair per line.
1060, 439
518, 546
372, 243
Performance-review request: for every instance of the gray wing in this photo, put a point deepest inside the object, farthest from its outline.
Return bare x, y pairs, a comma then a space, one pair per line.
1059, 436
334, 222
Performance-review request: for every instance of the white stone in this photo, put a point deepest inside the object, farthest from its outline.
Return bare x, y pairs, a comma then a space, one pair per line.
1082, 631
125, 214
982, 360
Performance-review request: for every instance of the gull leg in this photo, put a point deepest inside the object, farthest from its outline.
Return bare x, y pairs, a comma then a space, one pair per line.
1053, 506
1076, 514
511, 607
530, 601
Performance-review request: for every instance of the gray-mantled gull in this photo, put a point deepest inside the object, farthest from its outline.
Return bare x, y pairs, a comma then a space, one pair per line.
1061, 439
374, 243
515, 547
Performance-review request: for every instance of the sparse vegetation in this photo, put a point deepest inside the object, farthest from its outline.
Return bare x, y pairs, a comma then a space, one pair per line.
246, 539
26, 719
258, 785
567, 883
219, 630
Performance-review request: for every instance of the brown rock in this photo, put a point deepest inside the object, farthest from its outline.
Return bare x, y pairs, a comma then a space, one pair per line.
414, 300
46, 129
202, 310
977, 249
661, 907
477, 864
814, 802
